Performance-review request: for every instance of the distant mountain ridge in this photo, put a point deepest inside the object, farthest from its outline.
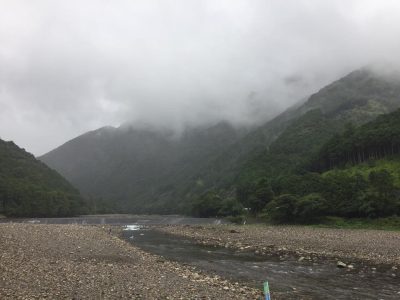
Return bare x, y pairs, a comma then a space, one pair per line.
139, 169
150, 171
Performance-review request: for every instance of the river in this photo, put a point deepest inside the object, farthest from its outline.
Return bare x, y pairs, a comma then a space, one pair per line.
305, 279
312, 280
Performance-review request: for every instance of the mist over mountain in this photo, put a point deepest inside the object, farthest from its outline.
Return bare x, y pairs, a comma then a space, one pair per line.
72, 67
213, 96
135, 135
151, 170
140, 169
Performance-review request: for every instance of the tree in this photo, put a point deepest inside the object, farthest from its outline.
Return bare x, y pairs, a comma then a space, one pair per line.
230, 207
207, 205
310, 207
344, 193
261, 197
380, 200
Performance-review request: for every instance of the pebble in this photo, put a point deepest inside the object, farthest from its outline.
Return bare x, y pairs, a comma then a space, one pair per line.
41, 261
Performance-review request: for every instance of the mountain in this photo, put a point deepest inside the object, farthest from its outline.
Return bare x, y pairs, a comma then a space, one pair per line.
354, 173
356, 98
29, 188
140, 169
292, 137
148, 170
351, 120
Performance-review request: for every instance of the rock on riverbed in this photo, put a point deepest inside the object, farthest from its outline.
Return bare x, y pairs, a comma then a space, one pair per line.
85, 262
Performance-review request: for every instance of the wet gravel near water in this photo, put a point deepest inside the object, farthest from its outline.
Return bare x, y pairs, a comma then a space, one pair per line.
86, 262
370, 246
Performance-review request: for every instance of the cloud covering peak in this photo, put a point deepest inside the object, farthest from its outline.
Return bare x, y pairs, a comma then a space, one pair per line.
71, 66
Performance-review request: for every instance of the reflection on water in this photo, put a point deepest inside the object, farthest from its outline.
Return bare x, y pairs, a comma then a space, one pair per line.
132, 227
322, 280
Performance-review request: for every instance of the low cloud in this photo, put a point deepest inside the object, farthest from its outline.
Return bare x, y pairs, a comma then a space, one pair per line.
71, 66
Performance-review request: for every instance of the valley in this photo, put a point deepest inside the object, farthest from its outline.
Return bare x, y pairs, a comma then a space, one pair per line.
294, 168
199, 150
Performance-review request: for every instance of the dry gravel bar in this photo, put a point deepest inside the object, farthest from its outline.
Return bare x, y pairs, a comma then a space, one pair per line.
85, 262
372, 246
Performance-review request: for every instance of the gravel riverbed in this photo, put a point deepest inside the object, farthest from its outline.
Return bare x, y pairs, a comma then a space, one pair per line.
86, 262
371, 246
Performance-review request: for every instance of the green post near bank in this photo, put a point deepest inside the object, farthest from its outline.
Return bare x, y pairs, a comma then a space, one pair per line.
266, 291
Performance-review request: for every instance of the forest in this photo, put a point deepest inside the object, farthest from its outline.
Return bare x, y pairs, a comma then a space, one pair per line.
334, 154
28, 188
374, 140
352, 174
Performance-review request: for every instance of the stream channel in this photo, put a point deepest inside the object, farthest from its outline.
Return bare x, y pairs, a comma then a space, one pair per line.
296, 279
305, 279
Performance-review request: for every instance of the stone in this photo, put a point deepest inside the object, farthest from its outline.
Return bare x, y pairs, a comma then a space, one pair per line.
341, 264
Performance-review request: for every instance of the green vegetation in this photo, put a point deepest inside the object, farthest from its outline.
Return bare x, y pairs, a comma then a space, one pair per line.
213, 205
335, 154
374, 140
321, 165
360, 183
28, 188
142, 170
389, 223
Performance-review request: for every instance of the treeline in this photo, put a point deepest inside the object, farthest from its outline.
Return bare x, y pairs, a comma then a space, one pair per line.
308, 197
374, 140
28, 188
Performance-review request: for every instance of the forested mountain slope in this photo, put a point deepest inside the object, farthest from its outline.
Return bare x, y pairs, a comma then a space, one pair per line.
377, 139
330, 135
354, 174
147, 170
290, 139
140, 169
29, 188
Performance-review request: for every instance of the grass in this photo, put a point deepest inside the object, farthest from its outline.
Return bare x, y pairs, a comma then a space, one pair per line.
389, 223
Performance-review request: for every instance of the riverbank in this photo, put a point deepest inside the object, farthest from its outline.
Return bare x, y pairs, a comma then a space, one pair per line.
306, 243
86, 262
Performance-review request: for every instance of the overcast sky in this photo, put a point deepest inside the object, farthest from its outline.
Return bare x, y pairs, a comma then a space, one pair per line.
67, 67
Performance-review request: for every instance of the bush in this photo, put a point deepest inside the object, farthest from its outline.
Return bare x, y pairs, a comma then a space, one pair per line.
230, 207
236, 219
310, 208
207, 205
281, 209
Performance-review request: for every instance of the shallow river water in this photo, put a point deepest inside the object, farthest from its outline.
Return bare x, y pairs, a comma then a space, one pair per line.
322, 280
298, 280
